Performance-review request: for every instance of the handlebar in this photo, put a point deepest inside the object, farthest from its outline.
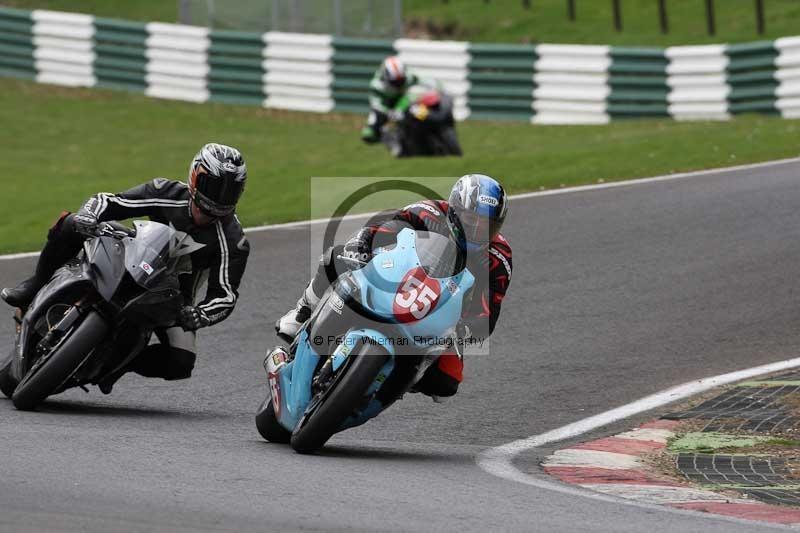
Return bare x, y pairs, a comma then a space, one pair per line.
352, 260
114, 230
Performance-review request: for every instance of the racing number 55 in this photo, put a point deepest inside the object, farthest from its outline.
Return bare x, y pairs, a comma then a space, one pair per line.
416, 297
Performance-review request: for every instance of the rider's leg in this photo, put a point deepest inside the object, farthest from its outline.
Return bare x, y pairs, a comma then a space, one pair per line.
63, 243
329, 268
172, 358
442, 379
371, 132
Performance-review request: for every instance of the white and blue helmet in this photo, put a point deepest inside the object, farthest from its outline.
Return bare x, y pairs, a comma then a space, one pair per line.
477, 209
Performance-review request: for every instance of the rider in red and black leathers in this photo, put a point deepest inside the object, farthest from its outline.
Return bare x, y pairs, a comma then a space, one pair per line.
490, 263
431, 215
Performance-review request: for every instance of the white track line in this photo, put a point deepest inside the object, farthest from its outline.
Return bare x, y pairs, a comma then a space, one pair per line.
498, 461
550, 192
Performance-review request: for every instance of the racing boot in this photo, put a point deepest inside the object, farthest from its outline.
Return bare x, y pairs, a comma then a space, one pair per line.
107, 384
23, 294
290, 324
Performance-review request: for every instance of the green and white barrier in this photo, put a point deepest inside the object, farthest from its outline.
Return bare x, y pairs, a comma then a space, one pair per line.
445, 61
696, 76
298, 71
788, 76
63, 49
541, 84
177, 62
571, 84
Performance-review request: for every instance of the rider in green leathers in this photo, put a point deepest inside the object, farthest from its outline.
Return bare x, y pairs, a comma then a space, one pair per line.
390, 83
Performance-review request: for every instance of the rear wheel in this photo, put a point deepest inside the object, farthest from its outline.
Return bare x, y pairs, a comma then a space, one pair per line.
7, 383
341, 400
43, 380
449, 141
268, 425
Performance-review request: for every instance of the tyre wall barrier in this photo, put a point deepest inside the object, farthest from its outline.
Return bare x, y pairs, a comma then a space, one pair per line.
541, 84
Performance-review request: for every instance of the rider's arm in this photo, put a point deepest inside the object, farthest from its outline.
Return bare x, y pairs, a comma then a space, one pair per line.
377, 96
482, 322
226, 271
427, 215
141, 201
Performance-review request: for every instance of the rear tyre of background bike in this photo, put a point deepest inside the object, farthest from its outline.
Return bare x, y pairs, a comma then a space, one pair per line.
450, 141
7, 383
268, 425
33, 390
342, 400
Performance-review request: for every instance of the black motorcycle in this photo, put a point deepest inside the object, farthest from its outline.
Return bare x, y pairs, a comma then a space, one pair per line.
422, 124
97, 312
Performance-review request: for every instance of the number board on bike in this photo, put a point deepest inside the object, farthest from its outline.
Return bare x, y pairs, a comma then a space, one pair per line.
416, 297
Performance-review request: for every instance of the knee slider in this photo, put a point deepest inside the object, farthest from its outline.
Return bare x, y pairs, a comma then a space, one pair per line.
179, 364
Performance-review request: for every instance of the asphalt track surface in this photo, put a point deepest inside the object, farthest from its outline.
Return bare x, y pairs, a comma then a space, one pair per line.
616, 294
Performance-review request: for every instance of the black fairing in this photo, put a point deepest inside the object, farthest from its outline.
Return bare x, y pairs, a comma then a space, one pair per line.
69, 282
106, 257
439, 115
433, 136
157, 307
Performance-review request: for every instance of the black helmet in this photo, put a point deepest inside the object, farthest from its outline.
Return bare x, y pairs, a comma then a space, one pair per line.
216, 179
477, 209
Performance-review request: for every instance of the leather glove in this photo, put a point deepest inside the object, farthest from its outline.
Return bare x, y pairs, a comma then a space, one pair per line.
463, 331
85, 224
463, 338
191, 318
358, 248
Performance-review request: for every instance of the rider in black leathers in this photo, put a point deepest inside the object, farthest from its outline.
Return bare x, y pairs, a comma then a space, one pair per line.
205, 209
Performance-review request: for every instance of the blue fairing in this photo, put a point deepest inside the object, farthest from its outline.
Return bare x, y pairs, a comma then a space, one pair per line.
379, 283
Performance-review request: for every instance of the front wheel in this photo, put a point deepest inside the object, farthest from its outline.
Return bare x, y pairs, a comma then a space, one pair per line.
268, 425
7, 383
341, 400
42, 380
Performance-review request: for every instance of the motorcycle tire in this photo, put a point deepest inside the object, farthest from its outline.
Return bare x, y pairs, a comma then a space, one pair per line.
449, 140
7, 383
61, 363
268, 425
341, 399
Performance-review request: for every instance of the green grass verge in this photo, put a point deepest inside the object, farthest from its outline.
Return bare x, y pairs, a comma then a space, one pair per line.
507, 21
142, 10
546, 21
61, 145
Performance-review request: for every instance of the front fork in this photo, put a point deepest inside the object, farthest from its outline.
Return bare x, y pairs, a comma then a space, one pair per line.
273, 362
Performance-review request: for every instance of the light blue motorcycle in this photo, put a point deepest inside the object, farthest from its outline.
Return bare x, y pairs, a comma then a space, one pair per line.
370, 339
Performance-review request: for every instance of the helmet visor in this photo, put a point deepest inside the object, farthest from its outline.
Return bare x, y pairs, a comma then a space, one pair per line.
216, 196
477, 229
210, 208
397, 82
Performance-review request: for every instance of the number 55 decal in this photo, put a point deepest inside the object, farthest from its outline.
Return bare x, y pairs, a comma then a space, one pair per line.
416, 297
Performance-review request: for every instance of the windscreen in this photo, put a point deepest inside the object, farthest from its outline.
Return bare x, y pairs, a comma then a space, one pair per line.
438, 255
147, 255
